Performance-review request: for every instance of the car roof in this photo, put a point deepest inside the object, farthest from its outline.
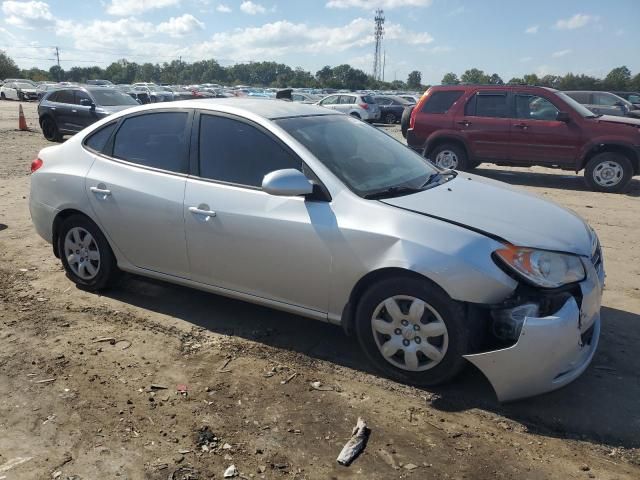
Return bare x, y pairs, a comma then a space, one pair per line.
264, 107
491, 87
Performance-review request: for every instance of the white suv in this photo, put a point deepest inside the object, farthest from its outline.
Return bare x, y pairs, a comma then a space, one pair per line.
359, 106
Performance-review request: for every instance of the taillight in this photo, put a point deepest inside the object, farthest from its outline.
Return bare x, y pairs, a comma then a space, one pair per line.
36, 164
412, 118
364, 105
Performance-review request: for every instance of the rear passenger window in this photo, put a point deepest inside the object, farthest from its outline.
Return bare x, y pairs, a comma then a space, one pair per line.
490, 105
98, 140
236, 152
155, 140
441, 102
64, 96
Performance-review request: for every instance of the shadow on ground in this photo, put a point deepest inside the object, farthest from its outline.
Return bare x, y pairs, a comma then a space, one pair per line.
601, 406
569, 181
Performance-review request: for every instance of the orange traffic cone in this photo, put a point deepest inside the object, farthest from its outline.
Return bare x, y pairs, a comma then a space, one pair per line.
22, 122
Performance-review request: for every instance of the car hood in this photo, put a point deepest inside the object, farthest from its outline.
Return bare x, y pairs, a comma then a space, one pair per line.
614, 119
497, 209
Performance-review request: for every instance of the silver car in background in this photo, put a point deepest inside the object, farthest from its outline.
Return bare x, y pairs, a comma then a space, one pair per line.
298, 208
359, 106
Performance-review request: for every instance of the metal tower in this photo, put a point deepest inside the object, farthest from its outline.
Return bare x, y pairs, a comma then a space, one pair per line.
378, 34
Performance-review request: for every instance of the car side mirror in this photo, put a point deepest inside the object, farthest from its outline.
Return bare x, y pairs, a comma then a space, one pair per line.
563, 117
288, 182
619, 104
85, 102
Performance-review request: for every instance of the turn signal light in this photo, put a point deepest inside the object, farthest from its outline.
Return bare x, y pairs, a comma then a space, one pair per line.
36, 164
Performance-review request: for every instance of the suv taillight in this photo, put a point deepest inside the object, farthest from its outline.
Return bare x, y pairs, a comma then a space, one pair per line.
364, 105
36, 164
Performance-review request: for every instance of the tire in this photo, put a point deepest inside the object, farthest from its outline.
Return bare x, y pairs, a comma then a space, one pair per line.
450, 155
390, 118
100, 269
453, 344
404, 121
608, 172
3, 96
50, 129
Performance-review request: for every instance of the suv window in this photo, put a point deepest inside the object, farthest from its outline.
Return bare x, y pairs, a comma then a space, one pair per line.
236, 152
154, 140
580, 97
64, 96
488, 104
532, 107
367, 99
441, 102
98, 140
80, 95
347, 99
604, 99
332, 100
53, 97
383, 101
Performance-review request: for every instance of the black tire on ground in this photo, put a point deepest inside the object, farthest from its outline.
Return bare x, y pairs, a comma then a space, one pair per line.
108, 272
404, 121
50, 129
461, 334
390, 118
594, 170
460, 153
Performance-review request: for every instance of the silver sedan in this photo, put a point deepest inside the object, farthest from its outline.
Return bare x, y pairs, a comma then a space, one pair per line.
310, 211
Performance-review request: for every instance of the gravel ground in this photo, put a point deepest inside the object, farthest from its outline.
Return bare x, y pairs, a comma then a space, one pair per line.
77, 372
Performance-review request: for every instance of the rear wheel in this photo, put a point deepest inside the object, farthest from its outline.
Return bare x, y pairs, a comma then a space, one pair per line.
390, 118
404, 121
608, 172
450, 156
86, 255
50, 130
412, 331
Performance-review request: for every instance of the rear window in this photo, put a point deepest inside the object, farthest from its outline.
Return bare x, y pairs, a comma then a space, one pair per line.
98, 140
441, 102
368, 99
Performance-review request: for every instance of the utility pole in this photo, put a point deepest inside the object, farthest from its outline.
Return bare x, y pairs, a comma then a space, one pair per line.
58, 58
378, 34
384, 63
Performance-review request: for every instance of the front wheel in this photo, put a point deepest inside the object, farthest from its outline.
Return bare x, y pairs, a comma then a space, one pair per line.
412, 331
86, 255
608, 172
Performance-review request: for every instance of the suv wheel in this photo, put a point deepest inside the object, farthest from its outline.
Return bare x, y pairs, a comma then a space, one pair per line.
450, 156
608, 172
390, 118
86, 255
405, 119
50, 130
412, 331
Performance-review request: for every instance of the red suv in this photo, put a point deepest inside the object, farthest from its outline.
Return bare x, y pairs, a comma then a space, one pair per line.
462, 126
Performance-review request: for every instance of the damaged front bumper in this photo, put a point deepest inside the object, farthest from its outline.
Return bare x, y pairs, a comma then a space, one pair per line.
551, 351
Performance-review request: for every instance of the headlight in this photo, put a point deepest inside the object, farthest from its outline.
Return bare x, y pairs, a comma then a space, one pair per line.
542, 268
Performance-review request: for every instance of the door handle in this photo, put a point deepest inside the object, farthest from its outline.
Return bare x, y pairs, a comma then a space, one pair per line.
100, 191
198, 211
466, 123
53, 108
74, 111
523, 126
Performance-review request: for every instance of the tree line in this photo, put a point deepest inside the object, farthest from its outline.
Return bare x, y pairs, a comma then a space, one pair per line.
272, 74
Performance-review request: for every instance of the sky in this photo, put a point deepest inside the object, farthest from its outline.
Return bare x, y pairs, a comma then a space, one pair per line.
507, 37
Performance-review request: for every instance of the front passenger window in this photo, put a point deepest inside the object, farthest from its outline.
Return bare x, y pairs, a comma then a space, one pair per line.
155, 140
532, 107
236, 152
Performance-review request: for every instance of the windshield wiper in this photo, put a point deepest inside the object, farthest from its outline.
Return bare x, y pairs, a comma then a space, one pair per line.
439, 177
394, 191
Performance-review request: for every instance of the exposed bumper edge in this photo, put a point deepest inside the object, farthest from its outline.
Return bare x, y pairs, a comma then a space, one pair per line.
42, 216
548, 355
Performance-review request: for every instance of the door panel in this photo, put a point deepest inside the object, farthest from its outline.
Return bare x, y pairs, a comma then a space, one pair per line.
263, 245
536, 137
142, 214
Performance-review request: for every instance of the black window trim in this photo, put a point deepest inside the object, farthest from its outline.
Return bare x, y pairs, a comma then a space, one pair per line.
194, 160
107, 154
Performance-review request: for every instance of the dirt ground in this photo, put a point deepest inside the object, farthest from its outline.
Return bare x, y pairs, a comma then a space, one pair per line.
76, 405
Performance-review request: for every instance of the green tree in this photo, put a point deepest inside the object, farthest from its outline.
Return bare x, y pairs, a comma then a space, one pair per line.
617, 79
551, 81
56, 73
414, 80
516, 81
450, 79
8, 67
531, 79
495, 79
474, 76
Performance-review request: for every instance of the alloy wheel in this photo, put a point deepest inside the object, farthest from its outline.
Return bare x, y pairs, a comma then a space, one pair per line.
447, 159
82, 253
409, 333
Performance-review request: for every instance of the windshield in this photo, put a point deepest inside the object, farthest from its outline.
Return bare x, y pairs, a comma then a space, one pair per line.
110, 98
578, 107
366, 159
